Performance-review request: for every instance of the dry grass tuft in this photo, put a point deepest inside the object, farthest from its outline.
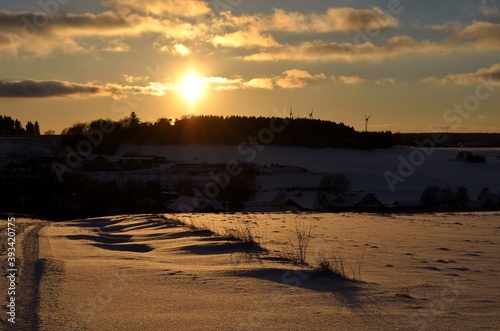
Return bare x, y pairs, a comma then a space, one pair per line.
298, 243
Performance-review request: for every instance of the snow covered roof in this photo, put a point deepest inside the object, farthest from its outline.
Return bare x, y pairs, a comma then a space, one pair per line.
413, 203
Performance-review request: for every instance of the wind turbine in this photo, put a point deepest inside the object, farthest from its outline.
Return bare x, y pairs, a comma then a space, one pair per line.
291, 112
311, 114
366, 122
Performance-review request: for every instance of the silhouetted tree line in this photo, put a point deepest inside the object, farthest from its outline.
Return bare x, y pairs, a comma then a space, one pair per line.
29, 186
452, 139
231, 130
10, 126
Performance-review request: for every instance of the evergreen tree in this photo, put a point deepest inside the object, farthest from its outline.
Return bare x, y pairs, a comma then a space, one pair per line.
134, 120
37, 128
6, 125
30, 128
18, 127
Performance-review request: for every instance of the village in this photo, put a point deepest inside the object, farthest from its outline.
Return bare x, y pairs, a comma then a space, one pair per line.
213, 178
192, 187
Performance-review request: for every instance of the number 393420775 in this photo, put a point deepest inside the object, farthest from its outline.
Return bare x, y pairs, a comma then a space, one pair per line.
11, 242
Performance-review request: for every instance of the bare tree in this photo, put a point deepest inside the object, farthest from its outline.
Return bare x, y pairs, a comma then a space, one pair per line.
486, 196
429, 197
462, 196
448, 197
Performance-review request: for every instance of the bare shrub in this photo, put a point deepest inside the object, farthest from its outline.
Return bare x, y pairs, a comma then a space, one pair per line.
298, 242
358, 266
242, 233
195, 226
334, 266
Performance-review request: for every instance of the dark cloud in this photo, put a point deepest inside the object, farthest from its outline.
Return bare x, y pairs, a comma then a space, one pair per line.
40, 33
43, 89
29, 22
55, 88
491, 74
193, 8
73, 25
318, 50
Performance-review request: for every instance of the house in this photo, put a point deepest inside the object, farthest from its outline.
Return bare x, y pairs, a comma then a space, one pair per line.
307, 200
257, 207
487, 199
290, 205
338, 202
407, 205
370, 203
354, 201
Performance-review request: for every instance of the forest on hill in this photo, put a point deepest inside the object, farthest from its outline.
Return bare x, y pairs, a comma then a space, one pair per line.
231, 130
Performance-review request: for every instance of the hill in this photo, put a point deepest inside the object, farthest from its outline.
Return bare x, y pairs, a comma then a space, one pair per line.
233, 130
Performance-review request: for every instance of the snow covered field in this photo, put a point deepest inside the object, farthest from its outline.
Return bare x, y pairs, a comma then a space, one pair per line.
415, 272
365, 169
368, 171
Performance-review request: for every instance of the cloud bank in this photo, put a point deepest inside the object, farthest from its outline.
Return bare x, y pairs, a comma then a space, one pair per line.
44, 89
490, 75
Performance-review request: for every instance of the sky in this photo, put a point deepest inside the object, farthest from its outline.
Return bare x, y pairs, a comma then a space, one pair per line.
412, 66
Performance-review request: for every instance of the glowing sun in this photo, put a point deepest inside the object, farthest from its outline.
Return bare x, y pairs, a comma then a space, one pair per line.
191, 87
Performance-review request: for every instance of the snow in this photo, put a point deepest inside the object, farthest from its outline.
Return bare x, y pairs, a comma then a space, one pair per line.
415, 272
365, 169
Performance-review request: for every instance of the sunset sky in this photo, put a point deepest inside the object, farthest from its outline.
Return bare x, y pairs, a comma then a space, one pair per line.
412, 65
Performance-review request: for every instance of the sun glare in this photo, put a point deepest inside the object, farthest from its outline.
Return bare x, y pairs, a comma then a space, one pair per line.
191, 87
